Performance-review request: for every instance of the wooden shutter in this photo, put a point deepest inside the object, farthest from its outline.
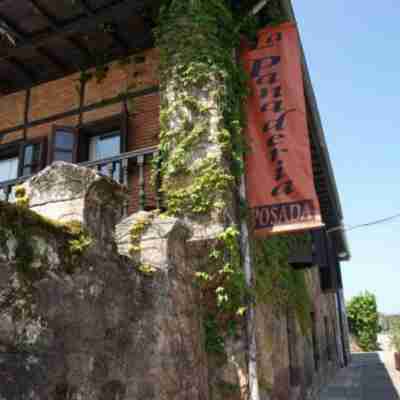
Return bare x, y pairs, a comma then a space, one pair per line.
32, 157
63, 144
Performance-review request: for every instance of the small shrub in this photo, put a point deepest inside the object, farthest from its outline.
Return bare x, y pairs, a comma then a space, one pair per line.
395, 335
362, 314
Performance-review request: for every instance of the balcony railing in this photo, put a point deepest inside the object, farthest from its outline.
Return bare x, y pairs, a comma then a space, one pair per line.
118, 167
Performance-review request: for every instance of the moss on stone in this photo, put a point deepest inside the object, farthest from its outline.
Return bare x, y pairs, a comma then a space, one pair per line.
277, 283
31, 264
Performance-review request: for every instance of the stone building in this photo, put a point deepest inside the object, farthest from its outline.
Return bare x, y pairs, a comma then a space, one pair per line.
101, 296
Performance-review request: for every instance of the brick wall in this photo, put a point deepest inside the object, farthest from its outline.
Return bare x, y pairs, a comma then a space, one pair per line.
63, 95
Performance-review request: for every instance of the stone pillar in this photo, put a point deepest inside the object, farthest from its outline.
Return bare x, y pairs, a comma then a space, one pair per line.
200, 128
196, 144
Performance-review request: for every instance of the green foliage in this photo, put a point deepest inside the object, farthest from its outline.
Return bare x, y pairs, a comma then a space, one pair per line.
224, 291
362, 315
136, 232
386, 321
21, 197
80, 243
395, 334
277, 283
25, 227
197, 40
214, 341
147, 269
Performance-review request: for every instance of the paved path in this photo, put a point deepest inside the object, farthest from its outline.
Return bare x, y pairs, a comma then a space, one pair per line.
371, 376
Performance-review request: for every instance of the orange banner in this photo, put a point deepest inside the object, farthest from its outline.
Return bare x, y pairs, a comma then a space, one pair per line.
279, 176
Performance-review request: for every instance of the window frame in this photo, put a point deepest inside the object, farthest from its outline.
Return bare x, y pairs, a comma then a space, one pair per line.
11, 150
52, 149
105, 126
105, 135
42, 155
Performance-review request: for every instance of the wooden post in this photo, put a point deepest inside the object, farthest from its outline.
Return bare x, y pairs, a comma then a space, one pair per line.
157, 183
142, 193
125, 182
254, 392
110, 168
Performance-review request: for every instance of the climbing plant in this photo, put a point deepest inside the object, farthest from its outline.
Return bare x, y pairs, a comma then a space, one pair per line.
24, 227
203, 89
198, 73
277, 283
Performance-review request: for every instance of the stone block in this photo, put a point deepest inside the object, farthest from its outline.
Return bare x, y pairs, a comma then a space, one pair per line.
160, 235
67, 192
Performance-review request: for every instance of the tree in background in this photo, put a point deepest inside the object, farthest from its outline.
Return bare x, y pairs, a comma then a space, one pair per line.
362, 313
395, 334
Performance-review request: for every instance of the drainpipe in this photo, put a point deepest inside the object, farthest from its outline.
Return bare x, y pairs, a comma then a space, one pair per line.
342, 327
254, 392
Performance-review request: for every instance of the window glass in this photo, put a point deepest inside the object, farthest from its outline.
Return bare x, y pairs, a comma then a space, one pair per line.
8, 169
63, 146
28, 154
31, 160
104, 146
64, 140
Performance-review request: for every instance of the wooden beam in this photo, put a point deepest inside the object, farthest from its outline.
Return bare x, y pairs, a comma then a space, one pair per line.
26, 72
20, 37
51, 20
83, 50
76, 111
26, 111
107, 14
10, 27
54, 60
114, 34
44, 13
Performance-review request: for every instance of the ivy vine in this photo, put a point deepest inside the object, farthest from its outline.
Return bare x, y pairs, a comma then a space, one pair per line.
203, 89
31, 265
277, 283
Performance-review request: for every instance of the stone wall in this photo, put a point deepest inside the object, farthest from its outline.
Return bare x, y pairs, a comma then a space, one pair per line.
98, 329
286, 367
83, 317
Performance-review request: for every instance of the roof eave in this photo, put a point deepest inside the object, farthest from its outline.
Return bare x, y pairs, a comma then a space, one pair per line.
342, 247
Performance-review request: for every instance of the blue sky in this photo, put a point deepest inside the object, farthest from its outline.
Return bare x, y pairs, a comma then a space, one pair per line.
353, 52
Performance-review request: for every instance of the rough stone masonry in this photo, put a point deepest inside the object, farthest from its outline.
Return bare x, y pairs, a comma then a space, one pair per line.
84, 318
101, 330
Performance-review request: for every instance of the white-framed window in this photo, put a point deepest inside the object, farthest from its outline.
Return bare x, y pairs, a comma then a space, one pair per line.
104, 146
9, 169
